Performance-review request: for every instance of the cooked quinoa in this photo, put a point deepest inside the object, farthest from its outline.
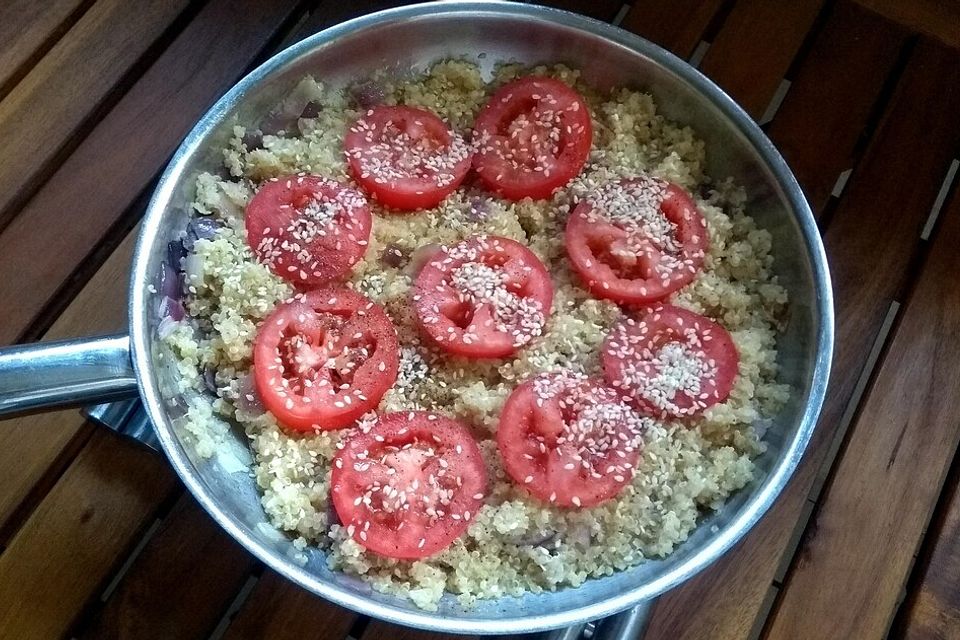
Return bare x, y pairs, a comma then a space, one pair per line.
515, 543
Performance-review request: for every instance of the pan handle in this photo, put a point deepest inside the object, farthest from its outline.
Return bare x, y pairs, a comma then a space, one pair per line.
626, 625
65, 373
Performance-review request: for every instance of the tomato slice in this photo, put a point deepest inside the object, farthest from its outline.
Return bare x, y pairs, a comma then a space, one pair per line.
324, 358
407, 485
532, 137
406, 157
673, 362
307, 229
569, 439
637, 240
483, 298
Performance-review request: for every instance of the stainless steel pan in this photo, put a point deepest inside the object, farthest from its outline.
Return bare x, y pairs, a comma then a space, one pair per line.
411, 37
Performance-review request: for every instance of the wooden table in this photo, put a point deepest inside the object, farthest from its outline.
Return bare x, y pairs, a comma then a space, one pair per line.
98, 537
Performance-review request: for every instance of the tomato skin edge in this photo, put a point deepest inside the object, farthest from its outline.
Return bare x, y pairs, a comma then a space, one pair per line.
264, 211
446, 530
723, 350
404, 194
435, 271
680, 208
569, 163
295, 414
519, 413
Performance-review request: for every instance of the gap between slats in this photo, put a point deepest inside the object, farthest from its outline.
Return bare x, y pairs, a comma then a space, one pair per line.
16, 70
864, 381
238, 601
919, 283
39, 173
931, 586
55, 472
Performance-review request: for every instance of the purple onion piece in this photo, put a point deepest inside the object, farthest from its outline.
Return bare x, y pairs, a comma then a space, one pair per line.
353, 583
538, 539
210, 378
277, 123
332, 516
176, 251
202, 228
479, 209
580, 535
368, 94
420, 257
394, 256
171, 308
248, 400
169, 285
312, 110
253, 139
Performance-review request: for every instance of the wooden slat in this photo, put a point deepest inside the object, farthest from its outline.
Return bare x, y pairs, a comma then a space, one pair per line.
30, 446
181, 583
41, 114
677, 25
752, 52
29, 28
377, 630
832, 96
855, 557
103, 177
279, 610
937, 18
932, 608
878, 219
71, 543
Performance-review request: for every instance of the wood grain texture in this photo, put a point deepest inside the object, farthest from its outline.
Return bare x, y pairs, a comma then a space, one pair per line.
903, 164
280, 610
179, 586
27, 29
754, 48
855, 556
102, 178
679, 25
833, 95
937, 18
44, 111
932, 608
31, 447
68, 548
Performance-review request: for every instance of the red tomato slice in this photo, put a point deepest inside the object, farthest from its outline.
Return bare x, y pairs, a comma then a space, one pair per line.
483, 298
570, 440
637, 240
532, 137
406, 157
324, 358
673, 362
406, 486
307, 229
